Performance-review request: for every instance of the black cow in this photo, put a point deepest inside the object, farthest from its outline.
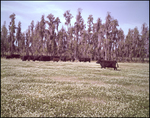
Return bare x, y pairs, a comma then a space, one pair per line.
110, 64
24, 58
87, 59
13, 56
68, 59
73, 59
30, 57
84, 59
81, 59
36, 58
8, 57
56, 58
65, 58
45, 58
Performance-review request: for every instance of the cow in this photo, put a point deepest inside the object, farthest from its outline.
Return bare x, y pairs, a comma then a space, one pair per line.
106, 63
56, 58
8, 57
87, 59
68, 59
63, 58
36, 58
45, 58
81, 59
13, 56
84, 59
24, 58
73, 59
30, 57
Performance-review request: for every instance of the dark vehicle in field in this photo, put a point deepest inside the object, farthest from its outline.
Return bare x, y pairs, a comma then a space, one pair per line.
109, 64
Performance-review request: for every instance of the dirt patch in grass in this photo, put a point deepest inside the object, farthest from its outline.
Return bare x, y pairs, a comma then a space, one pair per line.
76, 80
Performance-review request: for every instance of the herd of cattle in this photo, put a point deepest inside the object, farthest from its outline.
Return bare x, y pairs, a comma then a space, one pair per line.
103, 63
46, 58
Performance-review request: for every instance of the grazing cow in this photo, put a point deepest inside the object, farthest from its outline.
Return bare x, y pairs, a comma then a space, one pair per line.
36, 58
8, 57
30, 57
73, 59
63, 58
68, 59
87, 59
45, 58
24, 58
56, 58
13, 56
84, 59
81, 59
110, 64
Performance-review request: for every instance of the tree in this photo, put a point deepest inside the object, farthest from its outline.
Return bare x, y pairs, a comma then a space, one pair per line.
101, 41
90, 23
57, 21
12, 31
70, 41
18, 36
97, 42
42, 33
128, 43
111, 36
32, 37
51, 35
108, 29
68, 16
90, 35
120, 50
136, 37
61, 41
36, 39
27, 41
143, 42
83, 44
113, 40
4, 39
79, 26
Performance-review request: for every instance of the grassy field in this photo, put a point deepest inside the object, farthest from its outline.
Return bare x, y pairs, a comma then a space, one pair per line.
73, 89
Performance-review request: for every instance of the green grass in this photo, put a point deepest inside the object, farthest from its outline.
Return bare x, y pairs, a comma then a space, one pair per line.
73, 89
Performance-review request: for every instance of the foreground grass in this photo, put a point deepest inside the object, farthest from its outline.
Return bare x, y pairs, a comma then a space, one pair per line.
73, 89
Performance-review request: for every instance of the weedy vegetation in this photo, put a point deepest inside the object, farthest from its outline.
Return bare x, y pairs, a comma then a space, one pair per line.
73, 89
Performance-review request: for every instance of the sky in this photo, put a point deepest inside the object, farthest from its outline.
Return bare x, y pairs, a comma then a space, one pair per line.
130, 14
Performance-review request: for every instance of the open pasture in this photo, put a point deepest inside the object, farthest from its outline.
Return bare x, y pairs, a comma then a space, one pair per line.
73, 89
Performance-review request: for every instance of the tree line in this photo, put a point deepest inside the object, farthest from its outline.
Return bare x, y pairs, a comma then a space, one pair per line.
100, 40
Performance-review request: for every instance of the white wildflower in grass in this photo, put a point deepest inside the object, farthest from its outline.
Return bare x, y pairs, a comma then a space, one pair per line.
49, 89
